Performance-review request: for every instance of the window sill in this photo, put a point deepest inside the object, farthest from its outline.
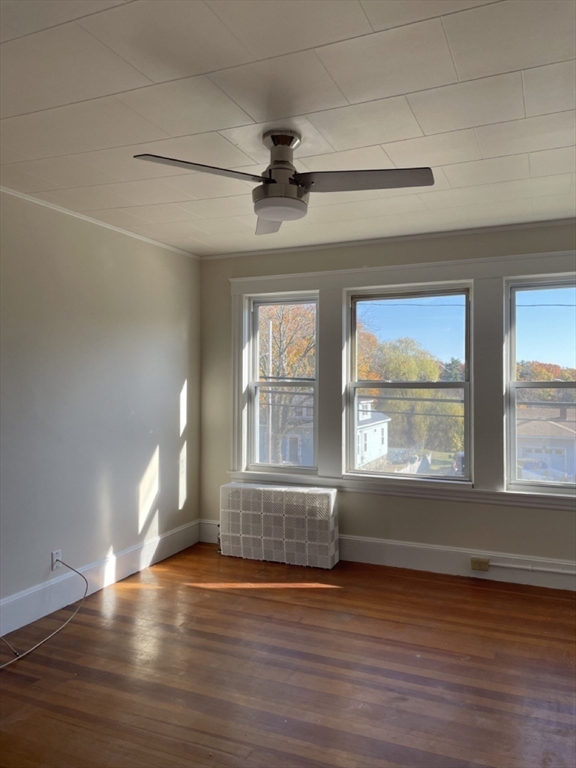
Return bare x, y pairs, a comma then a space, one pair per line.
441, 490
549, 491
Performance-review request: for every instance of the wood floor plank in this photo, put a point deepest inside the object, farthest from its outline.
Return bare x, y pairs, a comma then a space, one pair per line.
210, 661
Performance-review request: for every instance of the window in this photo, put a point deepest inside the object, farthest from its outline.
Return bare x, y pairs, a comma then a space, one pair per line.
410, 376
282, 390
291, 449
542, 385
452, 380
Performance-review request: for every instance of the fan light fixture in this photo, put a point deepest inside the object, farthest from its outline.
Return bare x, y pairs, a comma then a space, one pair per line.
278, 209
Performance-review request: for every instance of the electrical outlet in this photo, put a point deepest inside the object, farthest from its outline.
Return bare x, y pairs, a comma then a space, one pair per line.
56, 557
479, 563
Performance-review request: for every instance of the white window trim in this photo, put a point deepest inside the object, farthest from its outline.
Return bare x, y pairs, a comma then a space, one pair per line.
251, 376
489, 277
513, 484
351, 385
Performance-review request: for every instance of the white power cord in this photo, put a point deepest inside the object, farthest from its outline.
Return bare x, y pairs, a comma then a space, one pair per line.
21, 655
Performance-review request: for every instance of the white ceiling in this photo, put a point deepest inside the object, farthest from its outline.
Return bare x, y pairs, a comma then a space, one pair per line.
481, 90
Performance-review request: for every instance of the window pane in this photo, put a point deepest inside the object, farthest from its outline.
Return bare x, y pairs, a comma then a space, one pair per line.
546, 435
411, 431
417, 338
286, 341
546, 334
285, 426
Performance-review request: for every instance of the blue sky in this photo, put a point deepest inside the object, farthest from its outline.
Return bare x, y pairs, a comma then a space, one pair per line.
546, 321
546, 326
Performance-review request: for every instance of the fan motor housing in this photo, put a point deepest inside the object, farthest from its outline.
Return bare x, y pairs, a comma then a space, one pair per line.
281, 199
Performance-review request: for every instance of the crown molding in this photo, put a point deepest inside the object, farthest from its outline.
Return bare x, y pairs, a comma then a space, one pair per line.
83, 216
297, 249
395, 239
402, 267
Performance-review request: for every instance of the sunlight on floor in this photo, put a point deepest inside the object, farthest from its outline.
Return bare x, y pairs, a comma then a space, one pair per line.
267, 585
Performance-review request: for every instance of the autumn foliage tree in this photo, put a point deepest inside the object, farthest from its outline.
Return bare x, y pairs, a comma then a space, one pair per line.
286, 351
367, 346
532, 370
421, 419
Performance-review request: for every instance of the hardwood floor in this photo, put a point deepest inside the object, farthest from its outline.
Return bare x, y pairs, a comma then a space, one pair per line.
204, 660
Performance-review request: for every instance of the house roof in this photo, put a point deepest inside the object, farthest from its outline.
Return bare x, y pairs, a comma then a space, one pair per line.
376, 417
480, 90
557, 423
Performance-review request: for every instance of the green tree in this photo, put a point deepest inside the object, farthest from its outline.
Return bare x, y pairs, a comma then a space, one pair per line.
400, 360
405, 359
453, 370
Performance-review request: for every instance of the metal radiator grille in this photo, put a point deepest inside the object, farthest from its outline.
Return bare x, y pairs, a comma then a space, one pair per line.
284, 525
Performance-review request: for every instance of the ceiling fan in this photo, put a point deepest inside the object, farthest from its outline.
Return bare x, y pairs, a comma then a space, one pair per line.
282, 192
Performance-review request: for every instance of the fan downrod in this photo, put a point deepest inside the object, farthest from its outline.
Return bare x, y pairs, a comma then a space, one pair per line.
280, 137
283, 200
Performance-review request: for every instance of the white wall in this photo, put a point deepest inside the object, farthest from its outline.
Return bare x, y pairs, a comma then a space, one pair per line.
531, 531
99, 333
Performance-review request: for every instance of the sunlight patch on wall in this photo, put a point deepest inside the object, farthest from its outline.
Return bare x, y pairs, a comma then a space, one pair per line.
110, 568
183, 407
148, 489
150, 541
182, 489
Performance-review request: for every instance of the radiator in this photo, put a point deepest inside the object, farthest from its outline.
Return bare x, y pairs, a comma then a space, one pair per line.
281, 524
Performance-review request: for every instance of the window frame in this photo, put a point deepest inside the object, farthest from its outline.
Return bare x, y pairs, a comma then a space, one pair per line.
353, 297
488, 277
254, 384
512, 385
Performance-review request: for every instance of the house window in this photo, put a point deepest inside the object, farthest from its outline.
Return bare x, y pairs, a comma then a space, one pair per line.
542, 385
282, 387
410, 361
364, 409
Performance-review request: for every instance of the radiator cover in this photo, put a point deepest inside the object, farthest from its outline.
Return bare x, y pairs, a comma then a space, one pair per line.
282, 524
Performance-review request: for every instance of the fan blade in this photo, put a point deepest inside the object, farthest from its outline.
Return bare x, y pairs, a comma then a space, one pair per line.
266, 226
203, 168
350, 181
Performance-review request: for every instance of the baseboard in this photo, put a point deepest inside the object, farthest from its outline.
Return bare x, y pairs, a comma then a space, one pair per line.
456, 561
31, 604
440, 559
209, 530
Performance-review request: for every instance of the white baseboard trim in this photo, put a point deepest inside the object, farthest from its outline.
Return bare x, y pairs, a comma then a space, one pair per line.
209, 530
440, 559
31, 604
456, 561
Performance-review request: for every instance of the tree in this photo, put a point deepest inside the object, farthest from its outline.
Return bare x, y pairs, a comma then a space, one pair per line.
405, 359
421, 419
453, 370
367, 346
533, 370
291, 329
286, 350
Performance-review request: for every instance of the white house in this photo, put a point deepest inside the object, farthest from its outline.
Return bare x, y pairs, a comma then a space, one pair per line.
371, 434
